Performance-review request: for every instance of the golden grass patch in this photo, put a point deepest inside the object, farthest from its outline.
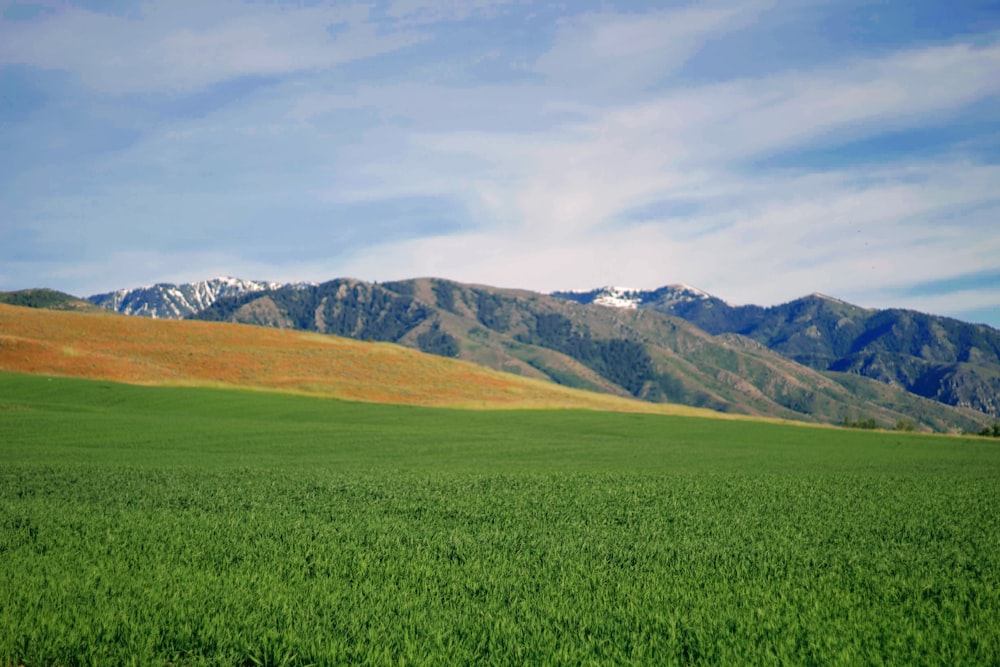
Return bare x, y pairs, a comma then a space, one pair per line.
145, 351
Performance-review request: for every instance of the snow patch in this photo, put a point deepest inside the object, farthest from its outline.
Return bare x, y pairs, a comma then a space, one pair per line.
615, 296
166, 300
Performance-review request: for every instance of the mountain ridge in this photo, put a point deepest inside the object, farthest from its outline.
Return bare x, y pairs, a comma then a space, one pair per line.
49, 299
173, 301
636, 352
937, 357
629, 297
99, 345
523, 332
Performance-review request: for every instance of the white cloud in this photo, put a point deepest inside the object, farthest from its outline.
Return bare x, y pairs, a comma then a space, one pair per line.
613, 52
729, 121
575, 177
758, 237
551, 168
181, 46
828, 234
553, 200
433, 11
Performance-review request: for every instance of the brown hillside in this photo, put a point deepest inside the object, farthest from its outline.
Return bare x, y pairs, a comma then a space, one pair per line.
143, 351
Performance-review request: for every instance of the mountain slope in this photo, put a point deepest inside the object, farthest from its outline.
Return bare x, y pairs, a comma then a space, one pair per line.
627, 297
947, 360
169, 301
630, 352
146, 351
46, 298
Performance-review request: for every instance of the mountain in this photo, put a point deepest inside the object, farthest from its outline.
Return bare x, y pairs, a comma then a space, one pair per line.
639, 352
137, 350
953, 362
46, 298
627, 297
169, 301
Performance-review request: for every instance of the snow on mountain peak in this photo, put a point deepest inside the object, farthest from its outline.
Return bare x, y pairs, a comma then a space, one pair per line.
618, 297
166, 300
681, 287
628, 297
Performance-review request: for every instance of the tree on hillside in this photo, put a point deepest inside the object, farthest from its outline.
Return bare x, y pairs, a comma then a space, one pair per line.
991, 431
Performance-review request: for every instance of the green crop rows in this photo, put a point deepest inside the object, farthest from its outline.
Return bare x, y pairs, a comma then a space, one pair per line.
176, 526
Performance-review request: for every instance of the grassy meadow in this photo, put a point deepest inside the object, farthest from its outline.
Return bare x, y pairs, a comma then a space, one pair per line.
139, 350
185, 526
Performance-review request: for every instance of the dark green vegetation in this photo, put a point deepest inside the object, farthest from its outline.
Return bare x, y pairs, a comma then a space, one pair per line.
991, 431
950, 361
154, 526
644, 353
866, 423
45, 298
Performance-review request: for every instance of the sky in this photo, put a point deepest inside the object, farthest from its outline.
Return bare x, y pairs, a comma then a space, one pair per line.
759, 150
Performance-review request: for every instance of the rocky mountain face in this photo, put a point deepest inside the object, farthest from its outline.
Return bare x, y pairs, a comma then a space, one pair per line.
940, 358
627, 297
169, 301
638, 351
674, 343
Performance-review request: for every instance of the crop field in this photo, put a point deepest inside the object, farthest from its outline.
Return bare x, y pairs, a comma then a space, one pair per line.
185, 526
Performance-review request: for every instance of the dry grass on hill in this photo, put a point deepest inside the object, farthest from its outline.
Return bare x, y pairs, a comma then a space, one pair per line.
143, 351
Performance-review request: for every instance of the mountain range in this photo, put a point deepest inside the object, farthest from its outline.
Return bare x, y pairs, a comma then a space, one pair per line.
941, 358
169, 301
815, 358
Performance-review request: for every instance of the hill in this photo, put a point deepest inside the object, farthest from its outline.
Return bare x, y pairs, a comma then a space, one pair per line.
177, 352
638, 352
170, 301
947, 360
47, 298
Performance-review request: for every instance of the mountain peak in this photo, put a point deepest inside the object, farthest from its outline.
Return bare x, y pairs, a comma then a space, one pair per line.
628, 297
167, 300
681, 287
826, 297
616, 296
819, 296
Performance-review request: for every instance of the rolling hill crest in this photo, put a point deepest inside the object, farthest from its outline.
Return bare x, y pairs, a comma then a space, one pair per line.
640, 351
809, 359
947, 360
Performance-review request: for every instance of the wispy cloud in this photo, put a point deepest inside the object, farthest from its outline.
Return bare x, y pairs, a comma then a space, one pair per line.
749, 233
434, 11
510, 143
176, 47
613, 53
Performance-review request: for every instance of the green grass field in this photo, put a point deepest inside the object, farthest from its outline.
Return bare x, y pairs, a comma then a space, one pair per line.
194, 526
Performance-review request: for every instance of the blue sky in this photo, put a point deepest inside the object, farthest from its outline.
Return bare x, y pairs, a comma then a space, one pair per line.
758, 150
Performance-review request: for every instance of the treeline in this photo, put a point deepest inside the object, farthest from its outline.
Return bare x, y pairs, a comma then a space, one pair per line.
991, 431
435, 341
337, 307
869, 424
624, 362
36, 298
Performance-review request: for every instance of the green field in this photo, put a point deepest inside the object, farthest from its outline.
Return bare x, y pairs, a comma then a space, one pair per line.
194, 526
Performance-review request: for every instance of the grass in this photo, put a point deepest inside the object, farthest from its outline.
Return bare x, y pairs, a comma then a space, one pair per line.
144, 351
185, 526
